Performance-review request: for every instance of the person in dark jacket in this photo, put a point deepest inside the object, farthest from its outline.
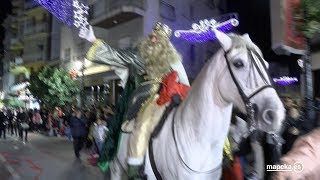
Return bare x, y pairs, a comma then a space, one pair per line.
10, 116
78, 126
3, 123
23, 123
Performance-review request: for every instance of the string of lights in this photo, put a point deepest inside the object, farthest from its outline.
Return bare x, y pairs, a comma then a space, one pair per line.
285, 80
203, 31
69, 12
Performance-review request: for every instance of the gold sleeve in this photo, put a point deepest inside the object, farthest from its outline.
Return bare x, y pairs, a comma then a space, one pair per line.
93, 49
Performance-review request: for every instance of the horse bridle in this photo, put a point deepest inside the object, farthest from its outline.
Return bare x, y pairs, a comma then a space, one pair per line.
252, 124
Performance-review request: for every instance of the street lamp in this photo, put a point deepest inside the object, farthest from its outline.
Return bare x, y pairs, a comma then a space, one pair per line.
81, 65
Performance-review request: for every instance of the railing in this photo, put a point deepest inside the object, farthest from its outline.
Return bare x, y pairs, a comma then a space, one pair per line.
41, 28
38, 28
105, 6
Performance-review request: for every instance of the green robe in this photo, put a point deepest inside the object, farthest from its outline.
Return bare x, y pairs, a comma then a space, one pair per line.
129, 66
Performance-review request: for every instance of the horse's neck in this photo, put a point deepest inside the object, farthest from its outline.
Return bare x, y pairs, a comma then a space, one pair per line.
203, 120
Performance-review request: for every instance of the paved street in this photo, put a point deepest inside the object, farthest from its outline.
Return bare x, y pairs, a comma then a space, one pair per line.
43, 158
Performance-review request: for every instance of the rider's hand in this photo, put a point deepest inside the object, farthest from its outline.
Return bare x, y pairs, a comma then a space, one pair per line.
87, 34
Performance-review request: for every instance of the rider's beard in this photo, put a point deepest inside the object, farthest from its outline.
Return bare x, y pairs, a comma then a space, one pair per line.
158, 56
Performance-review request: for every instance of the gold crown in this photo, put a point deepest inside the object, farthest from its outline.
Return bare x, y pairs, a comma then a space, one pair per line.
162, 29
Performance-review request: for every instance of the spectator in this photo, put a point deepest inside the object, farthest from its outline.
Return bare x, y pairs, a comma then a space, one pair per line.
37, 121
23, 121
304, 157
99, 133
10, 116
67, 131
14, 122
78, 130
3, 123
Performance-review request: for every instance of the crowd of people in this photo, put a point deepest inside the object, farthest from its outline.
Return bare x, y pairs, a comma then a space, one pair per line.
83, 126
19, 121
296, 140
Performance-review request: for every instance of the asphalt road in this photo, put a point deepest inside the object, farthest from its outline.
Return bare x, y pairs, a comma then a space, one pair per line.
44, 158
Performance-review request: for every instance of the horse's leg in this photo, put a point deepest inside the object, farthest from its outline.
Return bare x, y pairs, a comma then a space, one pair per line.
118, 166
117, 171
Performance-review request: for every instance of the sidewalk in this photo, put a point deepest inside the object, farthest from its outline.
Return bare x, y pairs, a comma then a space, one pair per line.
53, 157
61, 148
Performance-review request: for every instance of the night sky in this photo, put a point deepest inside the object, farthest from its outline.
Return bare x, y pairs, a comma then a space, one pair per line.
255, 20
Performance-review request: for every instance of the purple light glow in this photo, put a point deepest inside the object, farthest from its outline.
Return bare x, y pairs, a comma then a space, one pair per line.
204, 32
61, 9
284, 81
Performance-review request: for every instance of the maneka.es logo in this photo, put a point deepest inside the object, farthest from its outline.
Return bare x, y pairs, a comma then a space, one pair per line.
296, 167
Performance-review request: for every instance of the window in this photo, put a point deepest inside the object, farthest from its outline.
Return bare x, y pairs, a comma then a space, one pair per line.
167, 11
28, 26
67, 54
44, 17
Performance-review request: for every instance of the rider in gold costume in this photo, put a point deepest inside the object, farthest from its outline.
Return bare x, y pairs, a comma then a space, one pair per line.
154, 58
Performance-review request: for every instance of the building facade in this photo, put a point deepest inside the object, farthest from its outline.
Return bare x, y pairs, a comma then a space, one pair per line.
32, 41
37, 38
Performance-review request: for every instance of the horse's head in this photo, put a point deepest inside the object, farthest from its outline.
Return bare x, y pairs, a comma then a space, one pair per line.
246, 81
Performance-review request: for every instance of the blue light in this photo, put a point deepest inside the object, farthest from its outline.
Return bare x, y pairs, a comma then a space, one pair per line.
284, 81
204, 32
61, 9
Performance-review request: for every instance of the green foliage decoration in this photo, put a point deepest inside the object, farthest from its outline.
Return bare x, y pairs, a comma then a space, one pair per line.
309, 15
54, 87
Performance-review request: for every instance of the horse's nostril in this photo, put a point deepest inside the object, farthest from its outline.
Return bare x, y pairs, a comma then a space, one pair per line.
255, 107
269, 116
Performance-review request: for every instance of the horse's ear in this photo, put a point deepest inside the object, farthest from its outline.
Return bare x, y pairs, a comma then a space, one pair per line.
246, 37
225, 40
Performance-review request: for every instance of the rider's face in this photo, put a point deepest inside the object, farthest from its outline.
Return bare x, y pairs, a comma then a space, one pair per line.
153, 38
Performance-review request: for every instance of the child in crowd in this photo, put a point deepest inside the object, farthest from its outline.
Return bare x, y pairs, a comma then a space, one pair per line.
99, 133
67, 131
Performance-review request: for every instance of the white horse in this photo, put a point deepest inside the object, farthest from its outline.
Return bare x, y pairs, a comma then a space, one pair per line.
190, 144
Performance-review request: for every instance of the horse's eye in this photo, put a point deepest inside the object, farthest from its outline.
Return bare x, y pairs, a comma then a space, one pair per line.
238, 64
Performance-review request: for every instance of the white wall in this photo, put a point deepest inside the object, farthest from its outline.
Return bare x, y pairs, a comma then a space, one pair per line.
132, 29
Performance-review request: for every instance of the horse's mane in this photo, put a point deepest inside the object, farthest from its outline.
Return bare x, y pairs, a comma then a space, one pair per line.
239, 42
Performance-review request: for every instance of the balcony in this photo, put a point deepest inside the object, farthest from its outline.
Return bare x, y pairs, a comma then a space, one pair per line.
108, 13
37, 30
34, 10
15, 44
